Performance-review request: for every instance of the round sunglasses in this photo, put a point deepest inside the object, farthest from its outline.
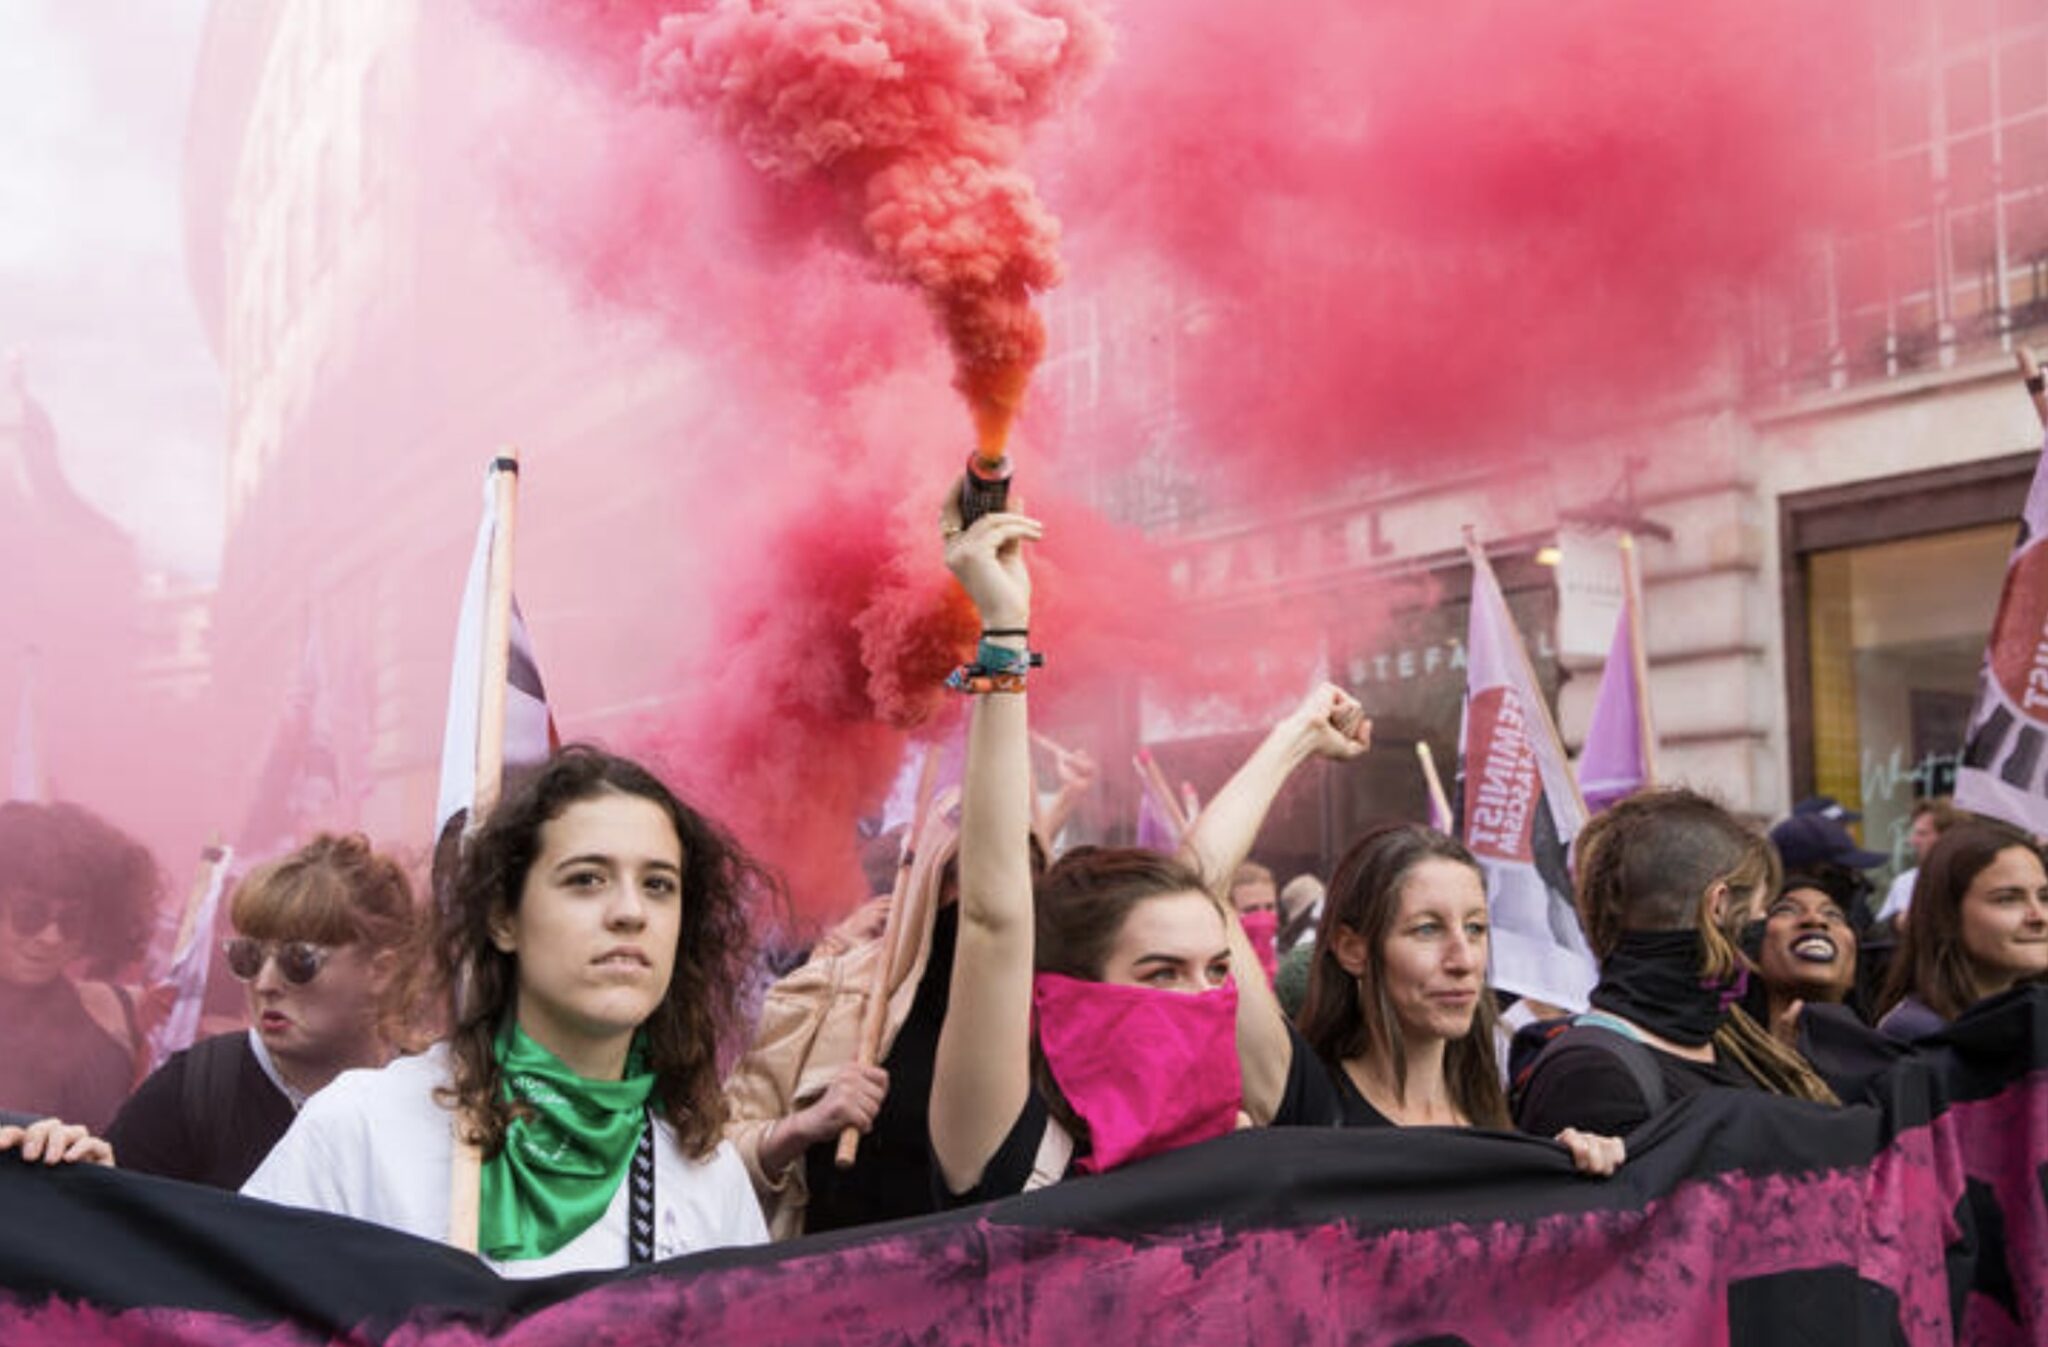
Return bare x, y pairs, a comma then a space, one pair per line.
298, 960
32, 916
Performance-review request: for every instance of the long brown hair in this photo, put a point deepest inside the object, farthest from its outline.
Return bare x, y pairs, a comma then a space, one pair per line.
1932, 962
338, 890
1079, 905
1647, 864
702, 1003
1345, 1017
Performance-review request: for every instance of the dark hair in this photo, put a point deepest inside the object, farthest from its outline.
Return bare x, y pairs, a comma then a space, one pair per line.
1083, 900
338, 890
1346, 1017
701, 1007
68, 854
1079, 905
1646, 863
1931, 962
1941, 809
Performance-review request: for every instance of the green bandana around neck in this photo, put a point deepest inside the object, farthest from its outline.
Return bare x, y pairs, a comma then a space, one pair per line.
561, 1165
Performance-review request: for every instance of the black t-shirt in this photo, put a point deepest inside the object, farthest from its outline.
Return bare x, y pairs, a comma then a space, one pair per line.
890, 1177
1587, 1086
56, 1060
208, 1115
1307, 1100
1354, 1109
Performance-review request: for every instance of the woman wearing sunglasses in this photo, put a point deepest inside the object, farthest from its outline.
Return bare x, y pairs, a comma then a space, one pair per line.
327, 944
593, 945
77, 895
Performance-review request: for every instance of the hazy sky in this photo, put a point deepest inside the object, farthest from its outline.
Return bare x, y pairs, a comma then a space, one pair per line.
93, 95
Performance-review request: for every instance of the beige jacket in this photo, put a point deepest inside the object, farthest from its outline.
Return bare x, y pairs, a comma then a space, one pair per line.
810, 1022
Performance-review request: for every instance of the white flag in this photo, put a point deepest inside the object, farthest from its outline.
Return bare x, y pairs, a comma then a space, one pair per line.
1521, 810
529, 728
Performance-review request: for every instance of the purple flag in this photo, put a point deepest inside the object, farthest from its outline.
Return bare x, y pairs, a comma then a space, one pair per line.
1611, 765
1154, 832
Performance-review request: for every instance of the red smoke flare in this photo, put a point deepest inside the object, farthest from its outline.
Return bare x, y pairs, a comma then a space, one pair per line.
913, 113
1390, 234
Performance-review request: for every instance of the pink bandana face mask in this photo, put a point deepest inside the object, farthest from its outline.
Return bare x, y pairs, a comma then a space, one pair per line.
1149, 1071
1263, 930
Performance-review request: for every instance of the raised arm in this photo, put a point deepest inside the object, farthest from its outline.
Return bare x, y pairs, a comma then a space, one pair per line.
1329, 723
982, 1075
1077, 777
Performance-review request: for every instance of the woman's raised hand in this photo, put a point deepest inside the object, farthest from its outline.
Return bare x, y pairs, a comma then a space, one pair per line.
1332, 723
988, 560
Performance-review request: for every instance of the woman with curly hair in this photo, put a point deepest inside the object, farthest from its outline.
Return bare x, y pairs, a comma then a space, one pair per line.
592, 950
76, 894
328, 945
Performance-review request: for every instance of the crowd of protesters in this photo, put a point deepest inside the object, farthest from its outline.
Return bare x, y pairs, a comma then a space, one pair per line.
554, 1063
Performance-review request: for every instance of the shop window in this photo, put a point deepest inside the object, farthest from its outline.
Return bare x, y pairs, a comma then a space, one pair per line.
1896, 635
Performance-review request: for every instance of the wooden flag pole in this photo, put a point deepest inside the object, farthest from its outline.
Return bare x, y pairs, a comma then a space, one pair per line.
896, 929
1639, 653
1050, 745
1434, 782
497, 642
2031, 372
212, 857
1162, 794
1514, 635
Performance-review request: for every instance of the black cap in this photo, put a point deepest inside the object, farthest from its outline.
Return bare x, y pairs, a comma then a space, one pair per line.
1827, 806
1810, 839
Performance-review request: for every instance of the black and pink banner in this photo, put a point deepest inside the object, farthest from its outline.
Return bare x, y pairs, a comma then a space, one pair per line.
1921, 1218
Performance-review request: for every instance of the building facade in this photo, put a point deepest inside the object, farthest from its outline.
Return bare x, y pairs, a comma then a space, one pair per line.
1840, 496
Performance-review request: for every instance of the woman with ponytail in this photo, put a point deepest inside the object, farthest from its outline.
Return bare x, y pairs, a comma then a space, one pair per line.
1658, 875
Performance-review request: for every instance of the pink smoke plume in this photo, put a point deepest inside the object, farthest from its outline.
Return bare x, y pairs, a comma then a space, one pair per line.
1393, 234
909, 117
1447, 229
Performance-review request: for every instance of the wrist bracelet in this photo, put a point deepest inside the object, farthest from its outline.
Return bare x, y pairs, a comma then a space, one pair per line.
1002, 659
2037, 383
974, 680
987, 632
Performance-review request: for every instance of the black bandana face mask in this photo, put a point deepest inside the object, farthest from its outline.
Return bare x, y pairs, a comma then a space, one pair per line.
1653, 979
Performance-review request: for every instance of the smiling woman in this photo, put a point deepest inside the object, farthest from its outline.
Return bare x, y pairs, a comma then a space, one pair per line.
1977, 926
1807, 953
591, 950
75, 896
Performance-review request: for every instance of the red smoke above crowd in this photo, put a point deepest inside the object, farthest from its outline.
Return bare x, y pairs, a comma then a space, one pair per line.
1385, 232
1267, 249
